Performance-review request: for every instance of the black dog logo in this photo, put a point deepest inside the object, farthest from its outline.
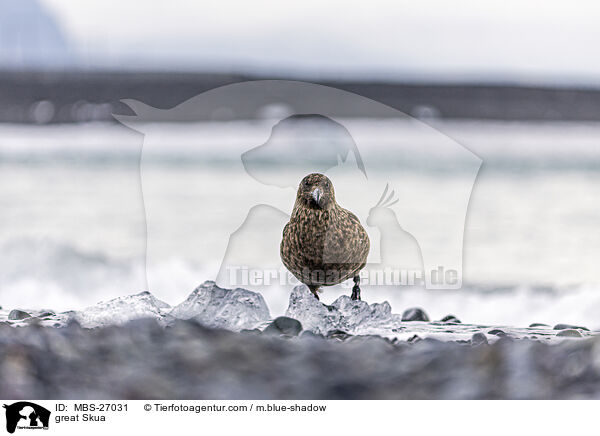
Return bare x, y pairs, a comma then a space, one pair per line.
30, 413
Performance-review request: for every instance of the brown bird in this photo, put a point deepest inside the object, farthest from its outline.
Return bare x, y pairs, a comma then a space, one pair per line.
323, 244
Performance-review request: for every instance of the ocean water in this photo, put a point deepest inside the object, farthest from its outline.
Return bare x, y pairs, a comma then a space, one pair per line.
95, 211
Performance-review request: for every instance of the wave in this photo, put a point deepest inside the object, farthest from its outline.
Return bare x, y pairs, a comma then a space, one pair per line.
44, 273
504, 146
47, 274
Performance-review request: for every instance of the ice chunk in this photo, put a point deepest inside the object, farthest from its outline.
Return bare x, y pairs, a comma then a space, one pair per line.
355, 317
312, 314
232, 309
362, 318
120, 310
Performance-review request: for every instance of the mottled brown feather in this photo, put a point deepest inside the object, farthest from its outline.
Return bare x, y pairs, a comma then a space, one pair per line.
323, 244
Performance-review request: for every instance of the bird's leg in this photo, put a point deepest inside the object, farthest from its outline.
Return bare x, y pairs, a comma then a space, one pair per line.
356, 289
314, 290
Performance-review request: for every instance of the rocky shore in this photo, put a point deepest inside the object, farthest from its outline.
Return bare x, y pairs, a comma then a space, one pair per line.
224, 344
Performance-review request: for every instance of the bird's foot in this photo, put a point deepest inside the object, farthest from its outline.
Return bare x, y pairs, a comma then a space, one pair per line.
314, 292
356, 289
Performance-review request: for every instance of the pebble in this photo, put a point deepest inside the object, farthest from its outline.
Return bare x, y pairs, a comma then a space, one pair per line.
284, 325
538, 324
569, 327
414, 314
251, 331
338, 334
450, 319
478, 339
17, 314
569, 333
497, 332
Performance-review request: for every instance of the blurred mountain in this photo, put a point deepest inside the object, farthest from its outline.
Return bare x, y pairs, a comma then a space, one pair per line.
44, 79
31, 37
81, 96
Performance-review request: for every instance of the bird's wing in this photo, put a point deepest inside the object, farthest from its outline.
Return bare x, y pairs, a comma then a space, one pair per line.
285, 229
353, 247
353, 217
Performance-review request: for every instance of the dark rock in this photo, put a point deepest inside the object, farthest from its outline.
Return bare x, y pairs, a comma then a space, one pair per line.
414, 314
538, 324
17, 314
569, 333
251, 331
478, 339
497, 332
143, 359
338, 334
569, 326
450, 319
413, 339
284, 325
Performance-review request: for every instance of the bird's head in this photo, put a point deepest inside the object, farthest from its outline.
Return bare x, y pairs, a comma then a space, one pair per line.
316, 192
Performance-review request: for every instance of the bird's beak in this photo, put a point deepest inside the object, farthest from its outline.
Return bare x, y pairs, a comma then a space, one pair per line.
316, 195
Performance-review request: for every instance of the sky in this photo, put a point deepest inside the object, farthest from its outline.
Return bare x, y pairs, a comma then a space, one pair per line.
427, 39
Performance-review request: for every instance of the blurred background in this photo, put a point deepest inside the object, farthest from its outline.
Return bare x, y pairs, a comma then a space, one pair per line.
516, 83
